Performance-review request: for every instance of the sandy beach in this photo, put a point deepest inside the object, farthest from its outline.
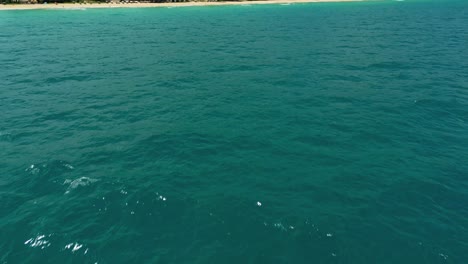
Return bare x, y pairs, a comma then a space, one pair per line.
141, 5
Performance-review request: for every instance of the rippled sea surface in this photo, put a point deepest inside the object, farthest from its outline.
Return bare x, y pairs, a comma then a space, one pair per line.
308, 133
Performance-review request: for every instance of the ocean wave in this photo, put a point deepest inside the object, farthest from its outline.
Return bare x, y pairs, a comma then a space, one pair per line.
80, 182
49, 167
39, 241
6, 136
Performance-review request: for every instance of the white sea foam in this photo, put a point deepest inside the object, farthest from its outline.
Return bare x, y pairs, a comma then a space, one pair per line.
75, 247
80, 182
38, 242
58, 164
160, 197
280, 226
33, 169
74, 8
444, 256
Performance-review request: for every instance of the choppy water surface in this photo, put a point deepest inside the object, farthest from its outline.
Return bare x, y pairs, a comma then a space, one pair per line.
314, 133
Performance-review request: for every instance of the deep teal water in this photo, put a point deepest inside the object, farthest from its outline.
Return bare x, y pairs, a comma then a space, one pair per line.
154, 135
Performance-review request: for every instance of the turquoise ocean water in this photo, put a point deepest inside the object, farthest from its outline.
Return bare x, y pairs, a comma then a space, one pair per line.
308, 133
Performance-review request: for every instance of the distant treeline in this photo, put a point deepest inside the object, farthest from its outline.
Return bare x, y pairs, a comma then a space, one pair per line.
106, 1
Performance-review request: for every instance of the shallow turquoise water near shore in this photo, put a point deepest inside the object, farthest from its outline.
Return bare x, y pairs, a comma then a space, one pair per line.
312, 133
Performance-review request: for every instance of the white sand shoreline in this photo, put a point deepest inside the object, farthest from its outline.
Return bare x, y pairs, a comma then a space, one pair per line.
66, 6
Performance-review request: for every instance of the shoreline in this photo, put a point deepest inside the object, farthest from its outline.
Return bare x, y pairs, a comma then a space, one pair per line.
71, 6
